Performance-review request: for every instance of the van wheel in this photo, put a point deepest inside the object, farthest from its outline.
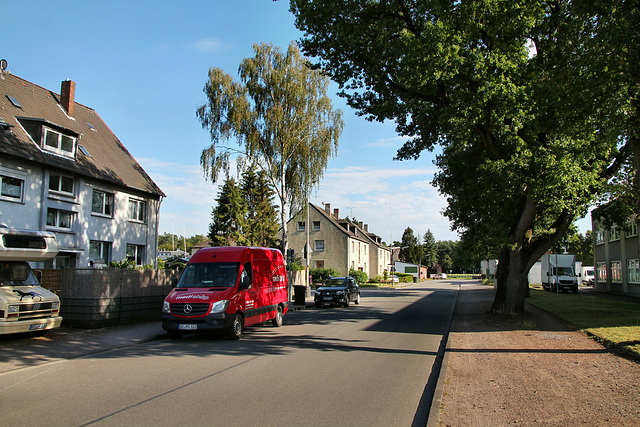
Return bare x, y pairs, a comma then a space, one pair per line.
236, 327
357, 301
277, 321
318, 305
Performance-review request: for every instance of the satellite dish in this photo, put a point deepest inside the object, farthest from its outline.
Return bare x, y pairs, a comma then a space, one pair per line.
3, 64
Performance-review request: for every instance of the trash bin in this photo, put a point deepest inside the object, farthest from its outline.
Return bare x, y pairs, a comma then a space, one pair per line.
299, 294
415, 279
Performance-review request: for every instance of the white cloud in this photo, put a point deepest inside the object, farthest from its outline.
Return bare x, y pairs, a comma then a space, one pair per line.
388, 200
207, 45
394, 142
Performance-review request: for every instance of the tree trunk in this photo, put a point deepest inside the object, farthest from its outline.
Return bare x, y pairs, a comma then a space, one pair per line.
511, 282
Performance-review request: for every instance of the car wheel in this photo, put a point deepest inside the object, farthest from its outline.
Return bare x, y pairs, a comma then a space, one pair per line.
346, 301
236, 327
357, 301
318, 305
277, 321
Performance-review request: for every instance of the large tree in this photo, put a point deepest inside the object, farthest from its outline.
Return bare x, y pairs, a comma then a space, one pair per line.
516, 94
281, 118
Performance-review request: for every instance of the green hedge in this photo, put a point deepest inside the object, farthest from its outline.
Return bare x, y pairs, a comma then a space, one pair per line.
360, 276
319, 275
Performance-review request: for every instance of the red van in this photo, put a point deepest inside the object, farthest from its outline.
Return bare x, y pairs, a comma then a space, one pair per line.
227, 289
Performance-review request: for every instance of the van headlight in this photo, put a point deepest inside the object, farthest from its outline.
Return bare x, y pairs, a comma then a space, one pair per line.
166, 307
55, 305
13, 309
219, 306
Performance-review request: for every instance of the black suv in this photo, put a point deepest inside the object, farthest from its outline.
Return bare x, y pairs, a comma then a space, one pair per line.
338, 290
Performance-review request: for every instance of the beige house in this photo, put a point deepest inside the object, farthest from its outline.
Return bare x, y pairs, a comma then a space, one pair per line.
337, 243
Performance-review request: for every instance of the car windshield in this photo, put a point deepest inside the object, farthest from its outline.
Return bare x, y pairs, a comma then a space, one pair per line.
210, 275
16, 274
336, 283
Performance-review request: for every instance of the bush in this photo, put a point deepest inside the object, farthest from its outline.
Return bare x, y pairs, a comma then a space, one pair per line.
319, 275
360, 276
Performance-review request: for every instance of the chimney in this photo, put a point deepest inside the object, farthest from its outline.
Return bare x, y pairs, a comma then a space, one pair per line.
366, 228
327, 208
67, 96
336, 213
361, 224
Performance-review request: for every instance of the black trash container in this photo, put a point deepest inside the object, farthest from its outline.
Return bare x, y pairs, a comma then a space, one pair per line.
299, 294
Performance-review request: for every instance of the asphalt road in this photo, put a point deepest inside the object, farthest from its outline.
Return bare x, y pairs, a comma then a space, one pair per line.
368, 364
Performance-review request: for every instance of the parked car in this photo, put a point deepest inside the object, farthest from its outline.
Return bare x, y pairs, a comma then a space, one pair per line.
588, 276
338, 291
439, 276
394, 279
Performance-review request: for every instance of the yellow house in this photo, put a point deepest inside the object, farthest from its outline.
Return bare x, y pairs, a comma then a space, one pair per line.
337, 243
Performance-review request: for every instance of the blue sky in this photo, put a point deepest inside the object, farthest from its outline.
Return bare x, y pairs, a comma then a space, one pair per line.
142, 66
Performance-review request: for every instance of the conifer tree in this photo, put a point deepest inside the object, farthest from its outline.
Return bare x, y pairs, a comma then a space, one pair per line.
262, 216
229, 216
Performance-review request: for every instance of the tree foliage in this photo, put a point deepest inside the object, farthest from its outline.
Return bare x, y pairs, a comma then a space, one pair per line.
262, 216
410, 249
229, 217
281, 118
519, 96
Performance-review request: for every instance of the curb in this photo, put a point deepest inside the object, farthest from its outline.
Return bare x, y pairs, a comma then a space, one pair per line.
442, 360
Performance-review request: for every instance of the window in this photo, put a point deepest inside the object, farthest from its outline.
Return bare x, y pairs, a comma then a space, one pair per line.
135, 253
11, 188
316, 225
137, 210
300, 225
61, 184
59, 219
602, 272
633, 270
100, 250
319, 245
614, 233
599, 235
631, 229
102, 203
59, 143
616, 271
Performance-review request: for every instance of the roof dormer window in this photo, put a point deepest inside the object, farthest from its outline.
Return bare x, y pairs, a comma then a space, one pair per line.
59, 143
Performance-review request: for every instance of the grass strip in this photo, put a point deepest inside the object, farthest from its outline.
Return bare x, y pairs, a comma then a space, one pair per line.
615, 323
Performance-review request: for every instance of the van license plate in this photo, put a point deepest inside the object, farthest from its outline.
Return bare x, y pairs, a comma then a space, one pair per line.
188, 327
37, 326
328, 298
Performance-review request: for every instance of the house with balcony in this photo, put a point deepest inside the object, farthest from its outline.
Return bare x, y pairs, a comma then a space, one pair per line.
63, 170
337, 243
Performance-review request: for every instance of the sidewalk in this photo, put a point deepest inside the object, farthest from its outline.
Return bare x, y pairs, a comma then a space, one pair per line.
535, 370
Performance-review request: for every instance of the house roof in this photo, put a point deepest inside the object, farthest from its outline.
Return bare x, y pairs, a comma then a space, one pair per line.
107, 158
360, 234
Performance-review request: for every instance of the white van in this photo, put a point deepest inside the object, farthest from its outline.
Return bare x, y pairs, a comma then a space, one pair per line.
24, 305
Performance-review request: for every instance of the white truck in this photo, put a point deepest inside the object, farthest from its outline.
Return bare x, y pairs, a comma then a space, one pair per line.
25, 306
558, 273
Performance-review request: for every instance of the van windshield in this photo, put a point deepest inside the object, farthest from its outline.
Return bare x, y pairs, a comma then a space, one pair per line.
210, 275
563, 271
16, 274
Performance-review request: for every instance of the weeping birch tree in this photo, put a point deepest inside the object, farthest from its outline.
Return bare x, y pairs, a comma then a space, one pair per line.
281, 118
